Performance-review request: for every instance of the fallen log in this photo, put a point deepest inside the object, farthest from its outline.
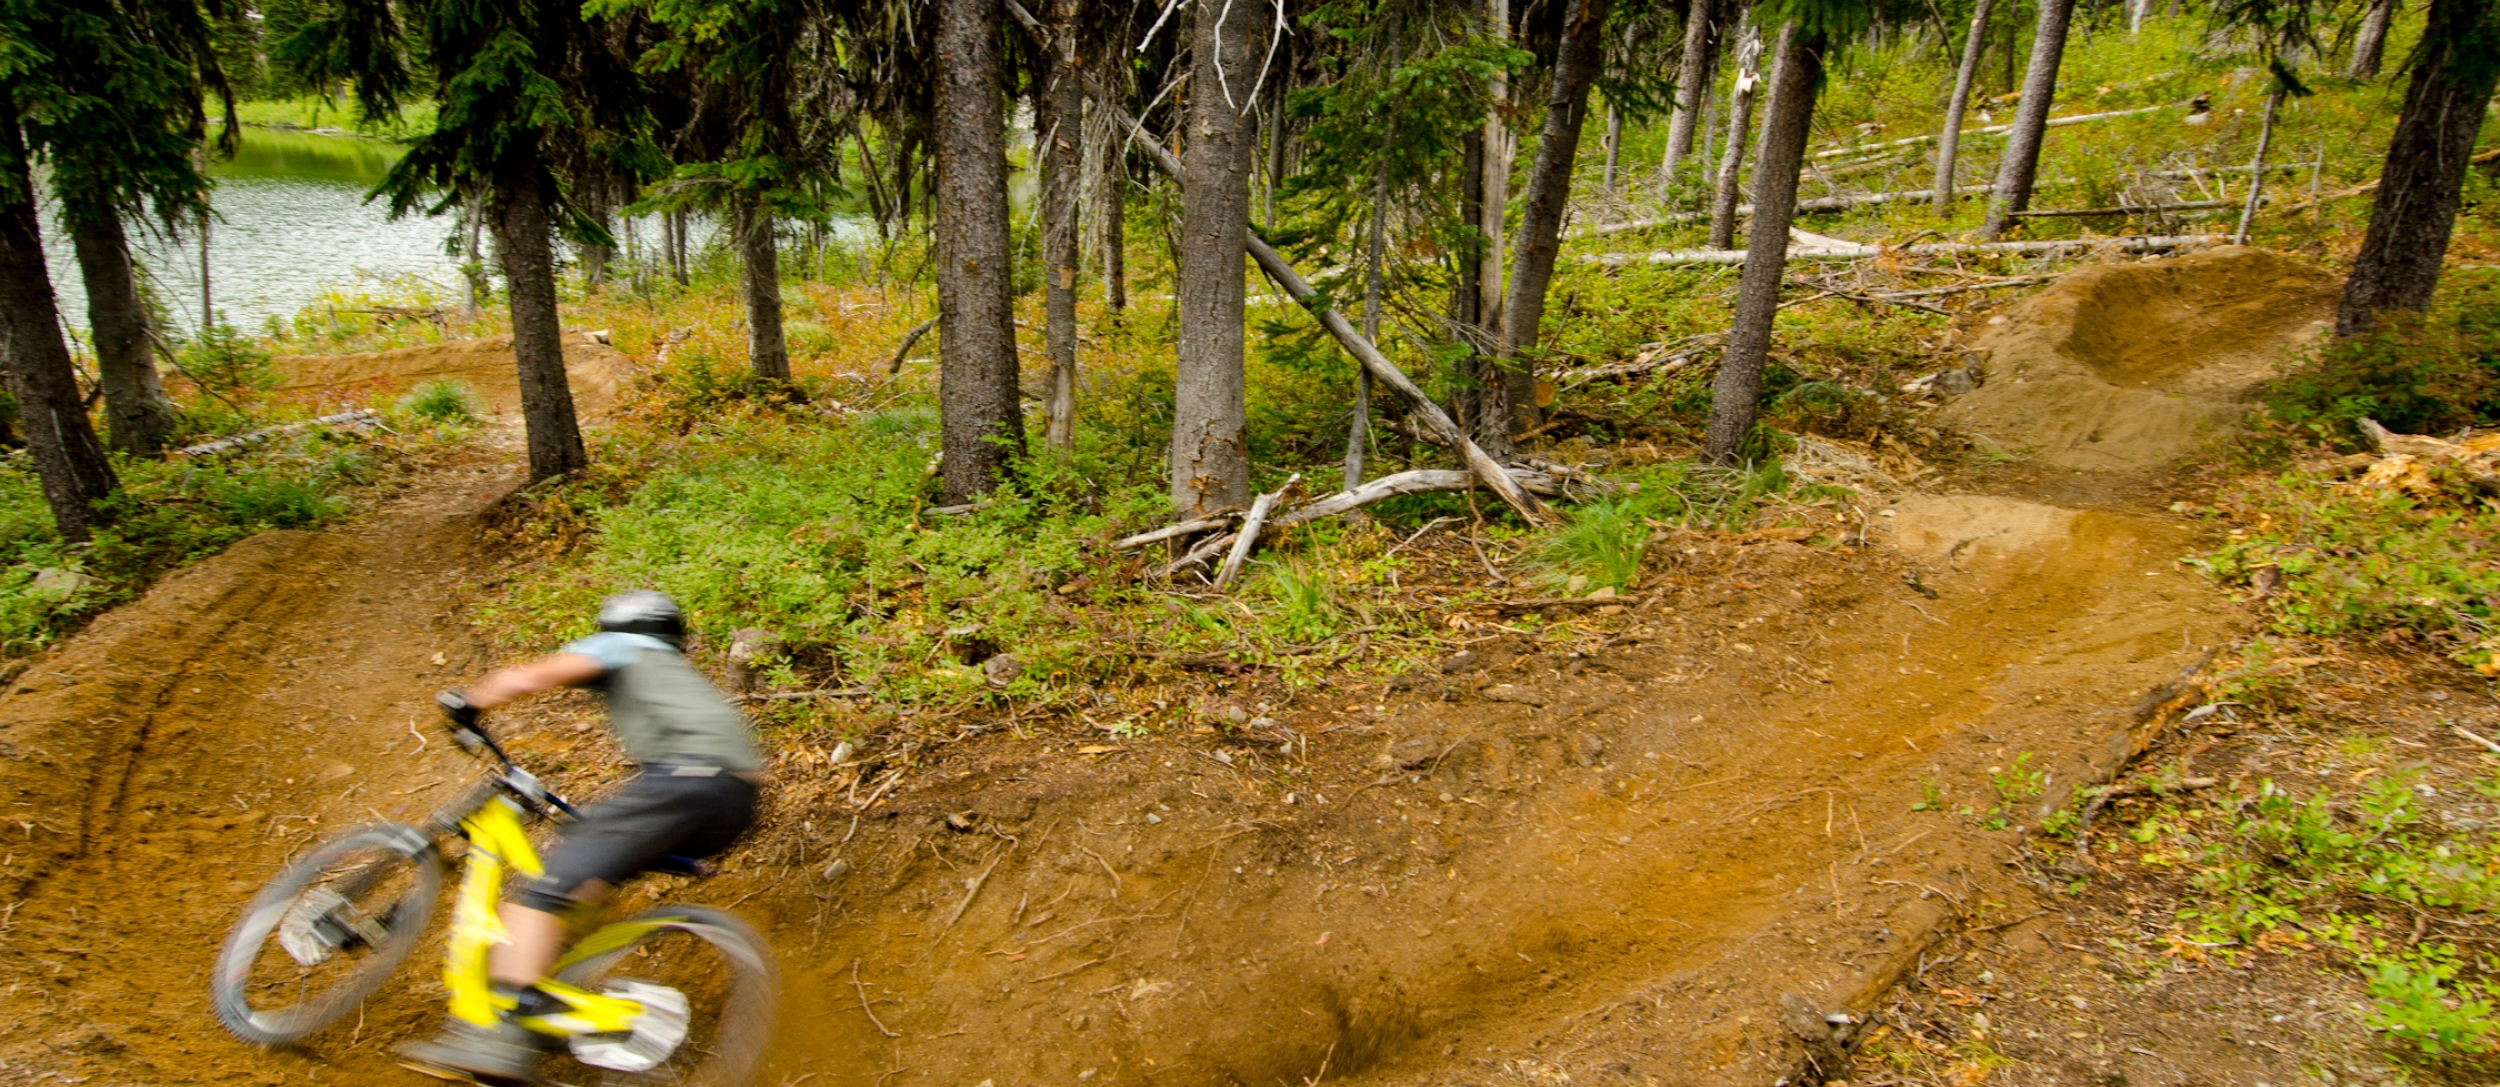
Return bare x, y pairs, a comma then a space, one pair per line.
2139, 209
2145, 244
1248, 537
909, 338
1173, 532
1496, 478
1990, 130
1822, 203
359, 419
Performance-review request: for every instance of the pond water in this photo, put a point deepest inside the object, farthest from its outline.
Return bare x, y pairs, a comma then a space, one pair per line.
292, 227
292, 223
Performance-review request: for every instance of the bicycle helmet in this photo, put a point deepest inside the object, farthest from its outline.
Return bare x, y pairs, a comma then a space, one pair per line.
644, 611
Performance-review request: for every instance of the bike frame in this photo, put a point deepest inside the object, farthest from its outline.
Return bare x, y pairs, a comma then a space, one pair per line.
499, 841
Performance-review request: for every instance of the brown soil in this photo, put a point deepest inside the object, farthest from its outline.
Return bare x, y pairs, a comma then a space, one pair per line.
594, 370
2128, 367
1602, 854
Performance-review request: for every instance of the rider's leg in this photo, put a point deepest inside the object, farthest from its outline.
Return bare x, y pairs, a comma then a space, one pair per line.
533, 938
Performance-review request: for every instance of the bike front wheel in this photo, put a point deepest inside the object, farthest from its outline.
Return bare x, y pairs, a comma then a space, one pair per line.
326, 933
707, 982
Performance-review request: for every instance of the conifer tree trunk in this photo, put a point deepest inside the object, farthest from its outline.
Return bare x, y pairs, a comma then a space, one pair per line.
1210, 454
1692, 80
759, 285
2031, 118
68, 458
134, 398
2369, 46
979, 413
1739, 122
1058, 123
1549, 193
1949, 142
2415, 207
1735, 396
522, 242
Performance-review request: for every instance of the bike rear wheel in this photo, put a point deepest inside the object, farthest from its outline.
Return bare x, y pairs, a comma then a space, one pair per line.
721, 1018
325, 933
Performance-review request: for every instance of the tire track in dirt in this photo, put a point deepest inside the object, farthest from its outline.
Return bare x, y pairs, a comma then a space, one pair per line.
236, 713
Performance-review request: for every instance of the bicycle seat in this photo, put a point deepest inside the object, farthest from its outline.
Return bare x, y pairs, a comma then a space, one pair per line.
691, 867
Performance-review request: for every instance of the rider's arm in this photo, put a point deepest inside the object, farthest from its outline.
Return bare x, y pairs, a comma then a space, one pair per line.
544, 674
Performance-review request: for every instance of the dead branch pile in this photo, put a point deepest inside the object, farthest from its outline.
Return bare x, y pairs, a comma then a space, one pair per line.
2403, 461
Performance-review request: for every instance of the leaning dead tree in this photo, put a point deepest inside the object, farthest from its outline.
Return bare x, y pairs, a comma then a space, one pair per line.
1495, 476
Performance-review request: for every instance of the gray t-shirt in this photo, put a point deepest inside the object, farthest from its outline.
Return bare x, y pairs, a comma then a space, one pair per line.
664, 711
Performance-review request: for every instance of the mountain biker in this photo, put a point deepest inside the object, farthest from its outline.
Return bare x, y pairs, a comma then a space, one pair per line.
693, 797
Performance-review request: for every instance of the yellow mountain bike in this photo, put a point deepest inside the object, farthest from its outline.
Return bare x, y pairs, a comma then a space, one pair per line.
676, 994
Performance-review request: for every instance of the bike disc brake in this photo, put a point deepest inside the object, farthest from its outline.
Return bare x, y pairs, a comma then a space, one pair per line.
655, 1034
310, 932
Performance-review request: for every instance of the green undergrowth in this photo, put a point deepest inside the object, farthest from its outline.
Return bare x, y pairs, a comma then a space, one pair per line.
815, 521
2408, 560
2358, 850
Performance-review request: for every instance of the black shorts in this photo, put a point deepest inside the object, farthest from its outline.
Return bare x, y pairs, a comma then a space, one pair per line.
665, 812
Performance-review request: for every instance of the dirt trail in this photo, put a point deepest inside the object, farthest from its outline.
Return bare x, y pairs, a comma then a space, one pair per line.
1533, 867
593, 369
165, 761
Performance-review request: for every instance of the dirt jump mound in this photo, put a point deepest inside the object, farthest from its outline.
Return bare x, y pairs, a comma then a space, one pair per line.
2125, 367
593, 369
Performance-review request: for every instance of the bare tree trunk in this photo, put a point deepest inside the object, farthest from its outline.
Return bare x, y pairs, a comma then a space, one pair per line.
474, 283
1692, 80
1115, 235
1210, 454
1373, 271
980, 416
68, 458
677, 267
2031, 118
1739, 121
2415, 207
1614, 143
2257, 167
522, 241
1735, 396
759, 283
1949, 143
1500, 149
1467, 293
596, 258
2369, 46
1549, 194
134, 399
1059, 123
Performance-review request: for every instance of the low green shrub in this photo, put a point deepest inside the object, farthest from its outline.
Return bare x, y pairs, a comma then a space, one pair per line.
2416, 374
2369, 561
442, 400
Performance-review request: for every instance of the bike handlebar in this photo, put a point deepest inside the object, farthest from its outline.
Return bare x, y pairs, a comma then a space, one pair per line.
469, 729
